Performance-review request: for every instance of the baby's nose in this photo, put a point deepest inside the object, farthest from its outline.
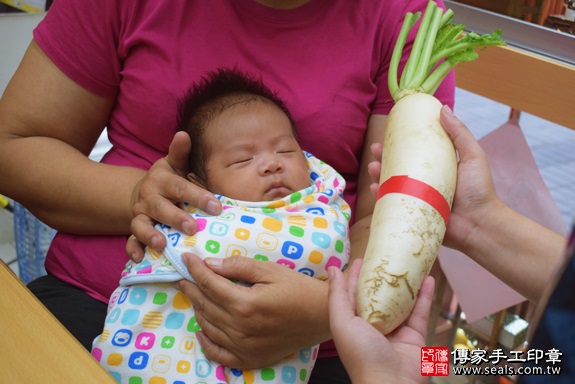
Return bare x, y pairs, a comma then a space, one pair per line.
273, 164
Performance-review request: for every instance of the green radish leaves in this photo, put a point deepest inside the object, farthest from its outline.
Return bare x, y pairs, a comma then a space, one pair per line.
439, 45
463, 49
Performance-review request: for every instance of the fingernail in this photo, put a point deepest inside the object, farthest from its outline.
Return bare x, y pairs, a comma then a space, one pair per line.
155, 242
448, 110
213, 208
186, 258
213, 262
331, 272
187, 227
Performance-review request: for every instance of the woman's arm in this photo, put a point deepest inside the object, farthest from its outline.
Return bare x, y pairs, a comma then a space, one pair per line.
48, 126
359, 232
516, 249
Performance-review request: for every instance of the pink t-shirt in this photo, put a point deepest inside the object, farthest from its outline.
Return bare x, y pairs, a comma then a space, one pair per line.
327, 59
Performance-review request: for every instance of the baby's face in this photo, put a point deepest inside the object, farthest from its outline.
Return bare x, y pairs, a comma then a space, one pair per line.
253, 155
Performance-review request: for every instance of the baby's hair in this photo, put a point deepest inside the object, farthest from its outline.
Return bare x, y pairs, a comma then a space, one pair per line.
217, 91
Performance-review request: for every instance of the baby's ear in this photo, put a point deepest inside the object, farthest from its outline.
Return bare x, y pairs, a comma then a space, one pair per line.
196, 180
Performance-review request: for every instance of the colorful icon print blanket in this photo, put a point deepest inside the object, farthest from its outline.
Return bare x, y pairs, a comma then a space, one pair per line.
150, 328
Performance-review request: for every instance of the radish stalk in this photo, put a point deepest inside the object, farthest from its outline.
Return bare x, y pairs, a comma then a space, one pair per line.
419, 169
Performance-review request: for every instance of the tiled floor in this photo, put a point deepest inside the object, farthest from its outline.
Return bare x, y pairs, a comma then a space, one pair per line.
553, 148
552, 145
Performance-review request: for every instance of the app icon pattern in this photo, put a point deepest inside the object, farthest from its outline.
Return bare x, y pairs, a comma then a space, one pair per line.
150, 330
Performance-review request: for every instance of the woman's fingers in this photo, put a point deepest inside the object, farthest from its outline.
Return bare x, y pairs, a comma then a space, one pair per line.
204, 291
475, 193
134, 249
216, 352
210, 285
462, 138
156, 205
246, 323
414, 328
144, 233
165, 183
341, 310
185, 191
210, 296
419, 318
377, 151
179, 152
212, 337
352, 278
374, 167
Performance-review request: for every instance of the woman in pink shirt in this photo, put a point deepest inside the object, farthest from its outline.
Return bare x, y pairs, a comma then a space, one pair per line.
123, 65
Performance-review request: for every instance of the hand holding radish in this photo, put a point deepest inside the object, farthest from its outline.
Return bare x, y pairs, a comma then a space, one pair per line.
516, 249
418, 172
369, 356
475, 193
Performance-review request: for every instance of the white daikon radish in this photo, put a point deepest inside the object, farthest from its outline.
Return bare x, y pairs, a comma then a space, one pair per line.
419, 168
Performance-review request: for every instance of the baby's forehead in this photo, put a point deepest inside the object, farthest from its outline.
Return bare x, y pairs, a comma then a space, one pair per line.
252, 143
240, 104
238, 100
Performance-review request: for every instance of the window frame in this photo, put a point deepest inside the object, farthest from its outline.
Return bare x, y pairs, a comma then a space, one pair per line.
530, 37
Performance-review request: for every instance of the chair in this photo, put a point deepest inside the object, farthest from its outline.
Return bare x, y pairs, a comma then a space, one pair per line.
32, 238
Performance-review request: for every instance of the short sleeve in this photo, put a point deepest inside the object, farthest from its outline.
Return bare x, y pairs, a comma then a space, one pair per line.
87, 55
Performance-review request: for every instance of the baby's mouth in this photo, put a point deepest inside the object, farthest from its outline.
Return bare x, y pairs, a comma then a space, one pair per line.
278, 189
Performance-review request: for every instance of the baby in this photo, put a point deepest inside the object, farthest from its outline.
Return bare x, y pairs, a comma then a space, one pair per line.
280, 205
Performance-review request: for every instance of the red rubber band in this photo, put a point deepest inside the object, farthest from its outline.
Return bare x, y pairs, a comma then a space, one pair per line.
412, 187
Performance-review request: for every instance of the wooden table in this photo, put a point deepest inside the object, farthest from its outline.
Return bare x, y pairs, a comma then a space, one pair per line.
34, 346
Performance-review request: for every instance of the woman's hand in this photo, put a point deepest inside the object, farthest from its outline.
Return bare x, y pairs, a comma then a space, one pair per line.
517, 250
154, 196
256, 324
369, 356
474, 193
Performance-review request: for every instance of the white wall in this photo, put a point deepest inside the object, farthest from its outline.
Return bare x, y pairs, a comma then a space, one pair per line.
15, 35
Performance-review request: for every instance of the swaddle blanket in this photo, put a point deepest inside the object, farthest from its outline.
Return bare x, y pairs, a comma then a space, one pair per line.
306, 231
150, 327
